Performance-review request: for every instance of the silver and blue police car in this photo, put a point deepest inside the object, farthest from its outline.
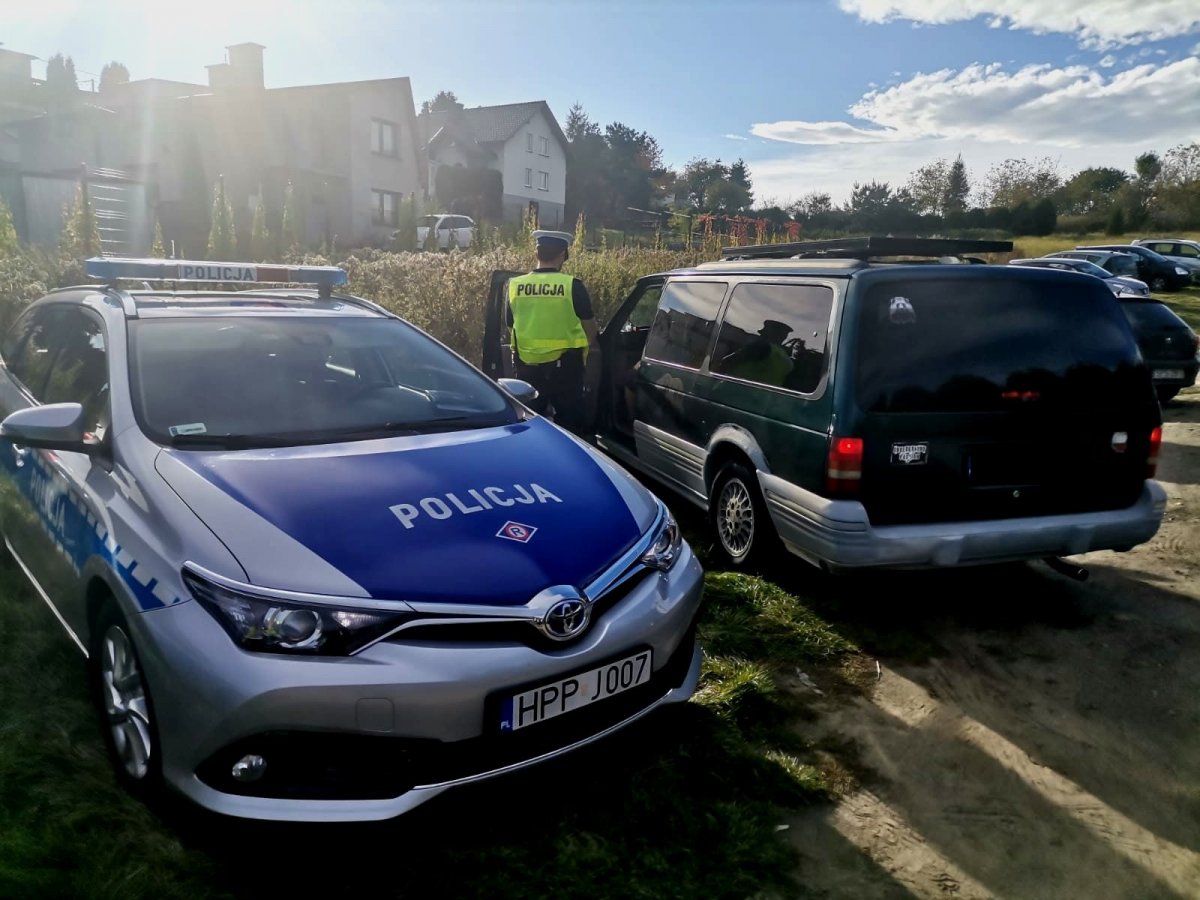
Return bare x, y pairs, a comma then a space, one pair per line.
322, 567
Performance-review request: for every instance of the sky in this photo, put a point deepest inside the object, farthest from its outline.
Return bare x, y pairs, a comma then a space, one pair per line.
815, 95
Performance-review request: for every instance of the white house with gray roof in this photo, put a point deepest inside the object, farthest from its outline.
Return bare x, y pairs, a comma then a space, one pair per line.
523, 141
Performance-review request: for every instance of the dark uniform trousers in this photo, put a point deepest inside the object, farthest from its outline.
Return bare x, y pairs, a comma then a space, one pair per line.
560, 388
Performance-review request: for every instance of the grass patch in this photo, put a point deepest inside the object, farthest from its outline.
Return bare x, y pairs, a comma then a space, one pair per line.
1186, 304
684, 804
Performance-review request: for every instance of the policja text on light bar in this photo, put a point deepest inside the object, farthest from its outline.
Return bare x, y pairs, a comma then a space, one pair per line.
114, 269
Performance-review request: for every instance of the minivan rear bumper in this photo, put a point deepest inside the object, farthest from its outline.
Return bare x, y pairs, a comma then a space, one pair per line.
838, 533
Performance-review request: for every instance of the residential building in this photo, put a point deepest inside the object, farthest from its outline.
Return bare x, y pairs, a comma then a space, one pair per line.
349, 150
522, 141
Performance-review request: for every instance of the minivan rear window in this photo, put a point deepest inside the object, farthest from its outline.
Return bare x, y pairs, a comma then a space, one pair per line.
956, 345
1147, 315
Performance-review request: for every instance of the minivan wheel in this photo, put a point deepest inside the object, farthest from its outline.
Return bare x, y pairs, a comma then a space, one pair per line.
739, 516
1158, 283
122, 698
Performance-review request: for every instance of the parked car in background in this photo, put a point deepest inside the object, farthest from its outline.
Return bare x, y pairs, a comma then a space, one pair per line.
1115, 263
451, 231
1168, 344
1118, 284
866, 413
1157, 271
1178, 250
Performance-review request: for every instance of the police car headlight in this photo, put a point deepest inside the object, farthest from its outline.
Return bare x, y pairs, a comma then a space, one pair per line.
666, 545
268, 625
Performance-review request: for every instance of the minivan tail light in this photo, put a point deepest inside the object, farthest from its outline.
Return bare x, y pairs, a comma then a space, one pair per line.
1152, 456
843, 474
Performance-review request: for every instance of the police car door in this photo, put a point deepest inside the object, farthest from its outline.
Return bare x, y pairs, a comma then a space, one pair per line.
63, 360
497, 350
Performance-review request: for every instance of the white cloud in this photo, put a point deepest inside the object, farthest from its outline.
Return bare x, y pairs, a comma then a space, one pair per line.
1075, 114
1094, 23
1108, 62
1073, 106
736, 137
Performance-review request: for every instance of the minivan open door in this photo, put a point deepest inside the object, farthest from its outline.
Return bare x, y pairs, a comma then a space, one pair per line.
497, 351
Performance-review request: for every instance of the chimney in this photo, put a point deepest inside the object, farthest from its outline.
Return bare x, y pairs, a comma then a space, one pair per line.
246, 61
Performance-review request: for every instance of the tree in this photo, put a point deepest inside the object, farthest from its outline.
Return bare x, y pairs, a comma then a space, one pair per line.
477, 193
612, 170
222, 240
113, 73
739, 177
929, 186
1043, 217
1116, 221
81, 235
958, 189
291, 229
1016, 180
61, 83
443, 101
1148, 166
9, 244
579, 126
1090, 191
260, 235
157, 249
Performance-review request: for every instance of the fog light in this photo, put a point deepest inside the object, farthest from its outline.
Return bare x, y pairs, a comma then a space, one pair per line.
249, 768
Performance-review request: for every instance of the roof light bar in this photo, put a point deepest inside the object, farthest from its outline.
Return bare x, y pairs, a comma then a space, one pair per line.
115, 269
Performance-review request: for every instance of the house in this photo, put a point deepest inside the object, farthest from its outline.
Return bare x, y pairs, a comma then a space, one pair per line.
522, 141
349, 150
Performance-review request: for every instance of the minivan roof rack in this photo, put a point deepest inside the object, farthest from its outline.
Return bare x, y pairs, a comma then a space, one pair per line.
867, 248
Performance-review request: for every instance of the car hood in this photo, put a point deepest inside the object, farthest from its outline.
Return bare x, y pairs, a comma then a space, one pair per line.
1129, 285
490, 516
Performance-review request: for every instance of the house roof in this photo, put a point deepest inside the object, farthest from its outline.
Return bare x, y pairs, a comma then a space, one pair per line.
495, 124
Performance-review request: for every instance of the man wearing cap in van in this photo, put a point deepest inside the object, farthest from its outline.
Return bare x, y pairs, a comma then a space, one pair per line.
553, 329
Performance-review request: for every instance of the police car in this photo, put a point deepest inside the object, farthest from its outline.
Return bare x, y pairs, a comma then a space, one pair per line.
323, 568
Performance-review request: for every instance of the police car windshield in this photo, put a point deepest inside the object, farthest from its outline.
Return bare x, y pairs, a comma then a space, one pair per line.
262, 381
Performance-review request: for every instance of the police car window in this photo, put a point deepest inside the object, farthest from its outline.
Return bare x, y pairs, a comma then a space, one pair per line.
683, 323
279, 380
774, 334
33, 345
79, 373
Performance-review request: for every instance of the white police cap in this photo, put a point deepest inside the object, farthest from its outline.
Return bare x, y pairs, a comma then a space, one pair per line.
552, 238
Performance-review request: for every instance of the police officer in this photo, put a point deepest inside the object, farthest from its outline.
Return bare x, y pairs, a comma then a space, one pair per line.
554, 329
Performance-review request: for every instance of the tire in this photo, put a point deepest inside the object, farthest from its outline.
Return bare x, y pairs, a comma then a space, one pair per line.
739, 518
124, 705
1166, 394
1158, 284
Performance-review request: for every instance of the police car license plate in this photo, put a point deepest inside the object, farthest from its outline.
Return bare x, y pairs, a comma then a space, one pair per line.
557, 697
1176, 374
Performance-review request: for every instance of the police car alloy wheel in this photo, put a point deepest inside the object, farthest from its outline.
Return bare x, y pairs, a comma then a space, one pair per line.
123, 698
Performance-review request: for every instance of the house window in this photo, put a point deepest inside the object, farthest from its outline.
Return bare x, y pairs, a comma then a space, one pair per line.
543, 181
383, 137
385, 208
543, 146
529, 178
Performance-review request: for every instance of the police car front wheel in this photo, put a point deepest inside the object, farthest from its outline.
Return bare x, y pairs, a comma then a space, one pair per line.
123, 700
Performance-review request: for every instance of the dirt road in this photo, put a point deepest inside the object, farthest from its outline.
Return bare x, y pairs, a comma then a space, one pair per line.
1049, 746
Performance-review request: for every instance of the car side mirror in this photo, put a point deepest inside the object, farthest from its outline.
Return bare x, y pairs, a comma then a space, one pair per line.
55, 426
521, 391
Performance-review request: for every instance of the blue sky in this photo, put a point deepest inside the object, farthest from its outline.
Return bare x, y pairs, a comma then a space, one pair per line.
814, 94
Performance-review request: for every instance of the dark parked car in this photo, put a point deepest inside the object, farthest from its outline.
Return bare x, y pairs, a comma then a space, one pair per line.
867, 413
1156, 270
1178, 250
1124, 265
1168, 344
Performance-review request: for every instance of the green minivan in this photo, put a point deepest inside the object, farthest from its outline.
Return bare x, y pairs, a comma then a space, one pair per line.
881, 402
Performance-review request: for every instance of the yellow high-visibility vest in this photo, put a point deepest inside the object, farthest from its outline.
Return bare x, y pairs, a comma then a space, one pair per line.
544, 320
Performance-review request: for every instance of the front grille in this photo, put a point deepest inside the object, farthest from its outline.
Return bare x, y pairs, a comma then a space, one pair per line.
448, 630
318, 766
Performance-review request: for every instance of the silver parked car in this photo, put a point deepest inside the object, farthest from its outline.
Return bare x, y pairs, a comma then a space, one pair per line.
323, 568
1120, 285
1178, 250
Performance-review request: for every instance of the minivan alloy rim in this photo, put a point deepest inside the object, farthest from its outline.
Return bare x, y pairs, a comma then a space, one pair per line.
125, 703
735, 517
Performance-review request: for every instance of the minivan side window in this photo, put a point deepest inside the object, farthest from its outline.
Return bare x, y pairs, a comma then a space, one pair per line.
775, 334
684, 322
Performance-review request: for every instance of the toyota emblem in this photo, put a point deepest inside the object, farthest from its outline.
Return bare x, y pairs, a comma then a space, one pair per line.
566, 619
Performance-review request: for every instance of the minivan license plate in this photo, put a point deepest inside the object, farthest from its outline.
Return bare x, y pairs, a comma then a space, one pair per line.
1169, 374
557, 697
